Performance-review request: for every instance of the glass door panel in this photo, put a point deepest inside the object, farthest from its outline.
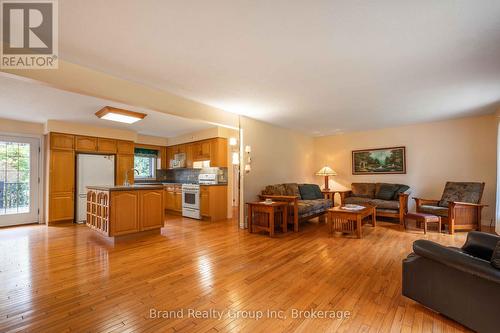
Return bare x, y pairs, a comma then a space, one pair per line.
18, 180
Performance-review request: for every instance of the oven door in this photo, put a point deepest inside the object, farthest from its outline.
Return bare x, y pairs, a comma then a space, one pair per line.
191, 199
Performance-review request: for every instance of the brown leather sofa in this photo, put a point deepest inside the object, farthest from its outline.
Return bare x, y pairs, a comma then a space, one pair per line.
460, 283
391, 200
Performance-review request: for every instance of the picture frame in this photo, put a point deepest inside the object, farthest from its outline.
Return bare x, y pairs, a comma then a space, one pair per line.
390, 160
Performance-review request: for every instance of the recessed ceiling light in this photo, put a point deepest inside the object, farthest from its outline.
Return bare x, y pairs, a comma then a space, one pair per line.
119, 115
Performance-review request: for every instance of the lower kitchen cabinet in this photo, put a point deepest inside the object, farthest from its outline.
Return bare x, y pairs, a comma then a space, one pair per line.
173, 198
213, 202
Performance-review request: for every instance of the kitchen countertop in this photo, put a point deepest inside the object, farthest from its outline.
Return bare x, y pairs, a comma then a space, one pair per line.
135, 187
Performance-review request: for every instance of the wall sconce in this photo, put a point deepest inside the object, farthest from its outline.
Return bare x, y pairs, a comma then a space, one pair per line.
236, 158
233, 141
248, 150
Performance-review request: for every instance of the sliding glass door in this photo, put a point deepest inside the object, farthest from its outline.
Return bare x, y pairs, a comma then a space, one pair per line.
19, 180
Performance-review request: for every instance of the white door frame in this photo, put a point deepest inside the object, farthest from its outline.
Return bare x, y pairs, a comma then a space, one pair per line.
35, 182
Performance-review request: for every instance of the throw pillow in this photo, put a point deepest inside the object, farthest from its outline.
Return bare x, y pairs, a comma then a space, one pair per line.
386, 191
402, 189
310, 192
363, 190
495, 258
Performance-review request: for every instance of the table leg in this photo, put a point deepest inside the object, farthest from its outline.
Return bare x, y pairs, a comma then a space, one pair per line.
439, 225
285, 219
374, 217
425, 227
250, 218
359, 226
271, 222
329, 222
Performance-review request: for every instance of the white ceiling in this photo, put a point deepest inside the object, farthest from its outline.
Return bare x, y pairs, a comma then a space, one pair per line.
316, 66
27, 101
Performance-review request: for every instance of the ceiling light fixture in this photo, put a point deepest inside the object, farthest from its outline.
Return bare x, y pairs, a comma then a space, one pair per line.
119, 115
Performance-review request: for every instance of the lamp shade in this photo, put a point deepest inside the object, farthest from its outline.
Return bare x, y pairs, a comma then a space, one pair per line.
326, 171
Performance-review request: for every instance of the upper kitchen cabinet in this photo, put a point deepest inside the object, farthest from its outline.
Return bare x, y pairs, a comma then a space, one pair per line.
106, 145
201, 150
213, 150
85, 143
62, 141
125, 147
218, 152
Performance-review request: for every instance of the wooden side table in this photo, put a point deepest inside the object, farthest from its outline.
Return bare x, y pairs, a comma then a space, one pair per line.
350, 221
329, 194
274, 211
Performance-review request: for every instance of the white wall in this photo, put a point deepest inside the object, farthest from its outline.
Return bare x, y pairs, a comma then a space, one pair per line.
278, 156
454, 150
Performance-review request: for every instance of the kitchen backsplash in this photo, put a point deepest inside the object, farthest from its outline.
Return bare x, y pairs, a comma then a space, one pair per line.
184, 175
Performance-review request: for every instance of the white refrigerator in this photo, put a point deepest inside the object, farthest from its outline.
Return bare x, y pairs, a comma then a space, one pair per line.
92, 170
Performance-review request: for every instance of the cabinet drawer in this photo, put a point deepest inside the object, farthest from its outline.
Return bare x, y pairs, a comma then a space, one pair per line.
86, 143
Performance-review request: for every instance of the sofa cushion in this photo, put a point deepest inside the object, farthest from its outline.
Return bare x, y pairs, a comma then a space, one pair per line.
357, 200
310, 192
312, 207
363, 190
402, 188
385, 204
461, 192
291, 189
495, 258
436, 210
386, 191
276, 189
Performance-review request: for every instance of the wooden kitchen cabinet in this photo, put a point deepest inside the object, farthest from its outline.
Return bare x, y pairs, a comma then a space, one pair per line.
125, 147
62, 141
106, 145
218, 152
173, 197
124, 212
213, 202
85, 143
214, 150
61, 206
61, 185
62, 171
124, 164
151, 209
204, 201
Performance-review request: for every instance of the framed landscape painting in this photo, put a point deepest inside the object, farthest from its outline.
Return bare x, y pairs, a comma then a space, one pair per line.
379, 161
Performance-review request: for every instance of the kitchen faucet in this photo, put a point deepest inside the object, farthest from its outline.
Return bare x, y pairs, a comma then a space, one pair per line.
126, 182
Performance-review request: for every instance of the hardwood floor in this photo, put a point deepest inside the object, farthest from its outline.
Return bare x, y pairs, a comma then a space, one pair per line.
57, 279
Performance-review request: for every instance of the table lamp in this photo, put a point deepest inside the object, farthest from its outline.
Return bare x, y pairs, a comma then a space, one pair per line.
326, 171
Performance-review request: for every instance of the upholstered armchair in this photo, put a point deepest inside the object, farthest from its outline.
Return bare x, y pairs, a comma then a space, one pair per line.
459, 208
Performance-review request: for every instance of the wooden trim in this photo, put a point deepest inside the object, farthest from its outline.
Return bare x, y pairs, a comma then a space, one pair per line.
109, 109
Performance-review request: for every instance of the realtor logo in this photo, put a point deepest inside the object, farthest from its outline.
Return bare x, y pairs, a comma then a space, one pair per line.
29, 34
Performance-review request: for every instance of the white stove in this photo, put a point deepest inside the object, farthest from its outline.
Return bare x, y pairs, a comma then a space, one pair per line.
191, 201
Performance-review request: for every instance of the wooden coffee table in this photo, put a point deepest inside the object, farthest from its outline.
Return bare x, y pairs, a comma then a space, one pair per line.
265, 214
350, 221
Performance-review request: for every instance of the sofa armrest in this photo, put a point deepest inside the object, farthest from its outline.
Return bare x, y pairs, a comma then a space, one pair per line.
480, 244
289, 198
456, 259
466, 204
343, 195
419, 202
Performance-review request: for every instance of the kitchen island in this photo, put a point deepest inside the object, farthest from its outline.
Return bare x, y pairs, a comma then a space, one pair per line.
114, 211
